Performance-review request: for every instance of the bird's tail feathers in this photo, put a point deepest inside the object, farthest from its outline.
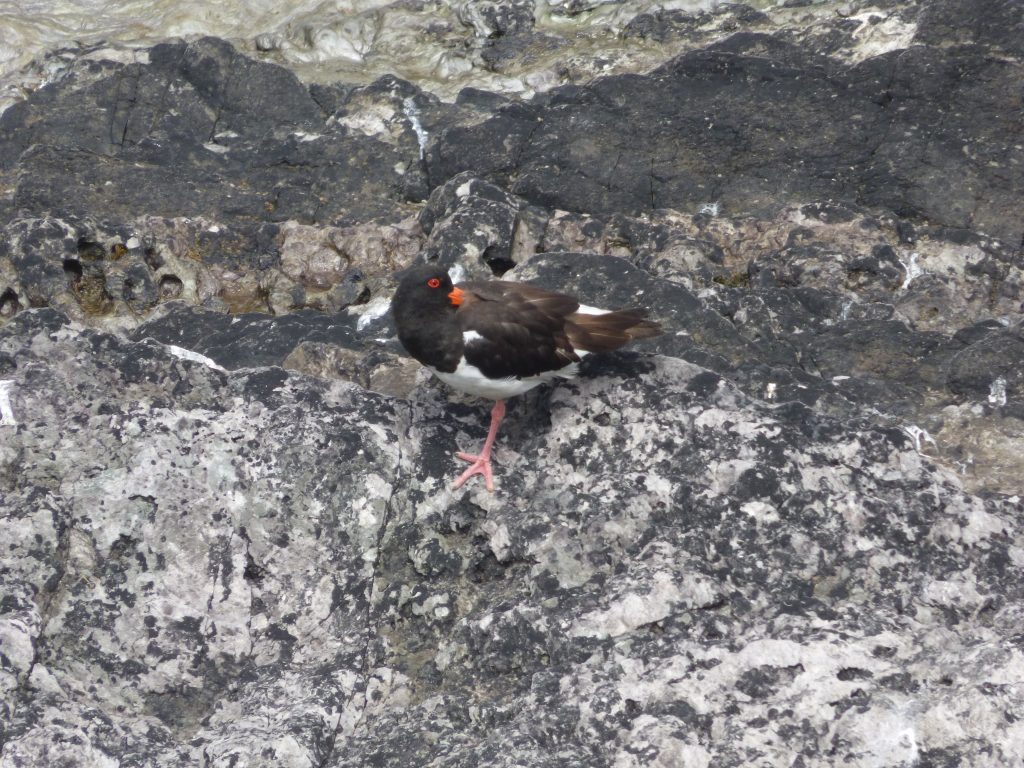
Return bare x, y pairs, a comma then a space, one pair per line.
604, 332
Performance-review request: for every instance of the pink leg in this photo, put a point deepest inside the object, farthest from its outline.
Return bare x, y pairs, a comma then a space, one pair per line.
481, 465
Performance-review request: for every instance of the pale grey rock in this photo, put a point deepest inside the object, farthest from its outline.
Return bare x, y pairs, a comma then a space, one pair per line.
160, 552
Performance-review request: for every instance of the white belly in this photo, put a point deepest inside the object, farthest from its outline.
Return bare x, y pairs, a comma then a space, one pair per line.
468, 378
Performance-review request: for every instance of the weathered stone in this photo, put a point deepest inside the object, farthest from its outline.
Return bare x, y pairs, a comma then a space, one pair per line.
473, 224
198, 131
113, 275
378, 371
753, 122
273, 565
788, 531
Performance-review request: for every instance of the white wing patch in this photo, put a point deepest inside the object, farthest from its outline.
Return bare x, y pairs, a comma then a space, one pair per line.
587, 310
469, 336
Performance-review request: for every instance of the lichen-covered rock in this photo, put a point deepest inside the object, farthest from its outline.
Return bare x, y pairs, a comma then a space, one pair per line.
266, 568
148, 571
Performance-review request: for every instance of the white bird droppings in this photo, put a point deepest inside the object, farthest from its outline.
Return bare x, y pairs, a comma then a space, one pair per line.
912, 268
6, 412
457, 273
997, 392
412, 112
374, 310
919, 436
195, 357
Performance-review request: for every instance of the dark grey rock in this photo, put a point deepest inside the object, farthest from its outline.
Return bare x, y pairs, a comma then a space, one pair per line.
882, 348
507, 52
990, 368
246, 340
480, 99
755, 122
29, 324
199, 130
662, 25
45, 258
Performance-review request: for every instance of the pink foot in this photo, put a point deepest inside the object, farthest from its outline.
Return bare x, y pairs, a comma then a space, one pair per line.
481, 465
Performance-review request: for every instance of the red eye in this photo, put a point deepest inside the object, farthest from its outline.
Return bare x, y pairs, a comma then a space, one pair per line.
434, 282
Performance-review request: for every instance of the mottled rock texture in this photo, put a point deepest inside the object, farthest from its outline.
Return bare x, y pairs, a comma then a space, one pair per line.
269, 568
788, 532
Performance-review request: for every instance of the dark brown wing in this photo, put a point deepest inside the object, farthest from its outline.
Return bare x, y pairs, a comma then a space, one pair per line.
521, 328
611, 330
557, 306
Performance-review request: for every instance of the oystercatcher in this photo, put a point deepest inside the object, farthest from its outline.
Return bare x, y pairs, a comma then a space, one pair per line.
497, 339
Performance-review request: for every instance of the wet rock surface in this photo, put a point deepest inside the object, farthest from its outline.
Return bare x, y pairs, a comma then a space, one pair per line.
787, 532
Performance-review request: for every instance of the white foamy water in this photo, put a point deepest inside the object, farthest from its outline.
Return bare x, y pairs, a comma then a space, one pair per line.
433, 44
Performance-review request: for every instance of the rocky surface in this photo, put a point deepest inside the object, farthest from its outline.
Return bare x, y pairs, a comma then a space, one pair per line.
754, 122
787, 532
518, 47
266, 568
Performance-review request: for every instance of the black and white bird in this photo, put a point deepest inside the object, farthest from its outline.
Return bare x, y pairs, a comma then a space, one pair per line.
497, 339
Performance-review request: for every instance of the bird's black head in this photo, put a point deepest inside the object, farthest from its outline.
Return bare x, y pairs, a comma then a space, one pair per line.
425, 286
424, 309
